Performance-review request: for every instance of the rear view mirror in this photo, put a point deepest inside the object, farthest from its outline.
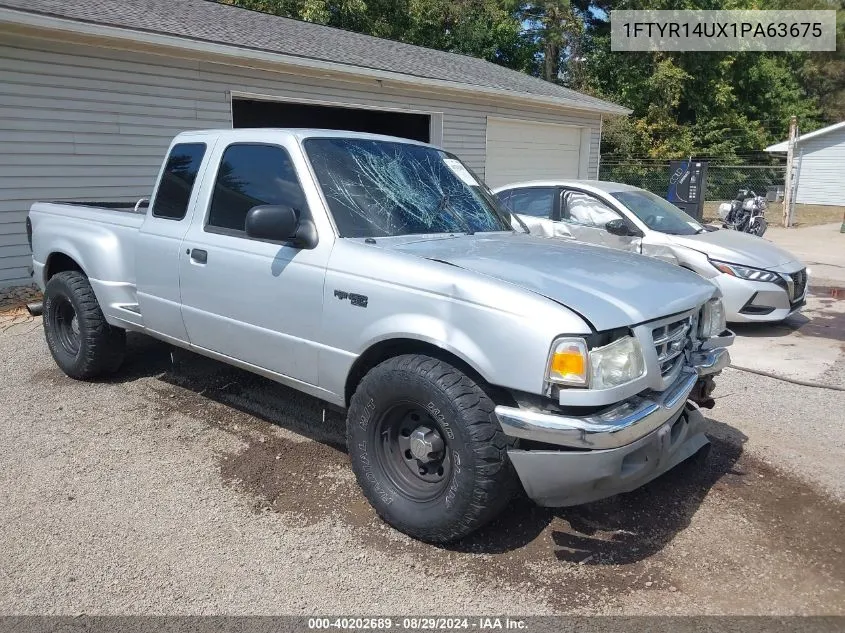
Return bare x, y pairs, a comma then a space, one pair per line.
619, 227
279, 223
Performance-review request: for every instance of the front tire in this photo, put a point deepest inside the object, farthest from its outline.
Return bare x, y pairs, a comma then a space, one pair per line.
82, 343
759, 227
427, 449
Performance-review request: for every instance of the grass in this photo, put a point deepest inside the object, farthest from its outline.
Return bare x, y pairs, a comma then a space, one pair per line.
805, 214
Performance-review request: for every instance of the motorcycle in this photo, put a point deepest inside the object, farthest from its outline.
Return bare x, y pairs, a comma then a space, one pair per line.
745, 213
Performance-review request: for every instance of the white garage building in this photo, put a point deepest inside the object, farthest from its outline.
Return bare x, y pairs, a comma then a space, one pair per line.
820, 165
91, 93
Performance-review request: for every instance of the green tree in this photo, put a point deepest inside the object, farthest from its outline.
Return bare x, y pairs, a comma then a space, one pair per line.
727, 105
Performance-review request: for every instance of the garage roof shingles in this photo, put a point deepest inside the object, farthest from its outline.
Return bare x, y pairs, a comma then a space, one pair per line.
224, 24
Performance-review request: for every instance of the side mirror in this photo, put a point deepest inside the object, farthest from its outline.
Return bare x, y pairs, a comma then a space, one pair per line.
280, 224
619, 227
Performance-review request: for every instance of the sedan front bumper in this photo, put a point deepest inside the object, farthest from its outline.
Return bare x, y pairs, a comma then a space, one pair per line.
755, 301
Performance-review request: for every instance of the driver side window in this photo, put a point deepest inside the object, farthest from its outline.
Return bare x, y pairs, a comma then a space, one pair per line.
250, 175
586, 210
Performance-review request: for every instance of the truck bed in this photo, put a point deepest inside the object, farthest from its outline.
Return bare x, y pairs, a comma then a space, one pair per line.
129, 207
79, 213
100, 239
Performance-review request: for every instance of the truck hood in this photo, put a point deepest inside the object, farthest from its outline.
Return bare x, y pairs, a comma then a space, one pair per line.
736, 248
606, 287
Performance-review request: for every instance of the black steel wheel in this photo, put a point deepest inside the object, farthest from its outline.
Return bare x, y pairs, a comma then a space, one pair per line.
414, 451
427, 449
65, 324
80, 339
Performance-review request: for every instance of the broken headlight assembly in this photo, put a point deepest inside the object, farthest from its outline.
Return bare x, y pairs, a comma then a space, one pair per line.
573, 364
713, 321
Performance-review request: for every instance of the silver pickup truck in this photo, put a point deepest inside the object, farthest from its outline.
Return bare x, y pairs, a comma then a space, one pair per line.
381, 276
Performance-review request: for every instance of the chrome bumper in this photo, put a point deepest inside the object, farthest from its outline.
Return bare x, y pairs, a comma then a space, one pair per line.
568, 478
711, 362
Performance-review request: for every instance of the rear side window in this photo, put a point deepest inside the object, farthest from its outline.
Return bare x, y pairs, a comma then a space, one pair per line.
177, 181
251, 175
536, 201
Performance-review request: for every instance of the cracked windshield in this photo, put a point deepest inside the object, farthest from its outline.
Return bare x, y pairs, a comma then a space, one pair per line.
381, 189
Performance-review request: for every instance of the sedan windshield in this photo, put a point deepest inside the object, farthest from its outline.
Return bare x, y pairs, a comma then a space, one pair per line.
385, 188
658, 214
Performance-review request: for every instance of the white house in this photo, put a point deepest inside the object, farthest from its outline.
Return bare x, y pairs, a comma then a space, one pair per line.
91, 93
820, 165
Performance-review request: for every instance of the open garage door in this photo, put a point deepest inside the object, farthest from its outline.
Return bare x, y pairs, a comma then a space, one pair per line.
527, 150
258, 113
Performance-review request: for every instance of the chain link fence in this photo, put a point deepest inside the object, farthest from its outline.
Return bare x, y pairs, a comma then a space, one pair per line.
723, 181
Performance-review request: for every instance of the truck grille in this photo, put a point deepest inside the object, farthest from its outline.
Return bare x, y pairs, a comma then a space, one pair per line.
670, 342
799, 284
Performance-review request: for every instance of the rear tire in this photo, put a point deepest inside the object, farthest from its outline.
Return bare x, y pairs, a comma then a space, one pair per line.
427, 449
82, 343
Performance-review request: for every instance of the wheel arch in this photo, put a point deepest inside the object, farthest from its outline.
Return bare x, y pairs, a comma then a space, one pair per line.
390, 348
58, 262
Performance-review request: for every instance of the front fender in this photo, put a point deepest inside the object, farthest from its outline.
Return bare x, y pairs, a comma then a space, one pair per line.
428, 329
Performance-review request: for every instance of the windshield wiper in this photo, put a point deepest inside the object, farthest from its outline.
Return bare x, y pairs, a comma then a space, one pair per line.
522, 224
444, 202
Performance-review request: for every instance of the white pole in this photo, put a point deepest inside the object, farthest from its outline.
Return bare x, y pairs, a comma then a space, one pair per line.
788, 192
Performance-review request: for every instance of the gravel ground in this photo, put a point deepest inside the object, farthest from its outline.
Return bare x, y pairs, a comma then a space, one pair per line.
187, 487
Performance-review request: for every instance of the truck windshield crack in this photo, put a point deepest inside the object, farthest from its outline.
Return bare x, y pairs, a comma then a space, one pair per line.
381, 189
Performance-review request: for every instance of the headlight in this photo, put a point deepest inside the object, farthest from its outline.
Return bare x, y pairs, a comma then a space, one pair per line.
745, 272
713, 318
615, 364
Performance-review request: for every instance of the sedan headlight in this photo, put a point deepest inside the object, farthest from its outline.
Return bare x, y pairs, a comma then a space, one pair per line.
745, 272
571, 364
713, 321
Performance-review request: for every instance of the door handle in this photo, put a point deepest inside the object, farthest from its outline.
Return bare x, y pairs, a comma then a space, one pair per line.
199, 256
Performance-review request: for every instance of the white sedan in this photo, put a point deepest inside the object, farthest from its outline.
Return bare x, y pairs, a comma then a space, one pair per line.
759, 281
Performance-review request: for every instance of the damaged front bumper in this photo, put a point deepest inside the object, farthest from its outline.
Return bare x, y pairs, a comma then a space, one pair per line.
567, 478
613, 450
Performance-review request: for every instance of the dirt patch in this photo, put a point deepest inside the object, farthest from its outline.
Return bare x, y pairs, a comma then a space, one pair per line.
14, 299
830, 293
829, 320
281, 475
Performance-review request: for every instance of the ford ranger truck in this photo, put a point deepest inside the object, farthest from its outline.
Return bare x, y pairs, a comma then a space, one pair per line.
380, 275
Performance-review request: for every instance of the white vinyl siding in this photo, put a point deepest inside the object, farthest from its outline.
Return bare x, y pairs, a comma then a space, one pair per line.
820, 177
80, 122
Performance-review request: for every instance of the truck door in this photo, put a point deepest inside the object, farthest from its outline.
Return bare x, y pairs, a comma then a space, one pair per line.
160, 239
256, 301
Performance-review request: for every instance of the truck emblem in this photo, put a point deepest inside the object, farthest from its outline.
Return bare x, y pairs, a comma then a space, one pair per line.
354, 299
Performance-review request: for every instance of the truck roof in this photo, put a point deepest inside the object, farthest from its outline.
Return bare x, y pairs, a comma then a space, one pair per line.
297, 133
